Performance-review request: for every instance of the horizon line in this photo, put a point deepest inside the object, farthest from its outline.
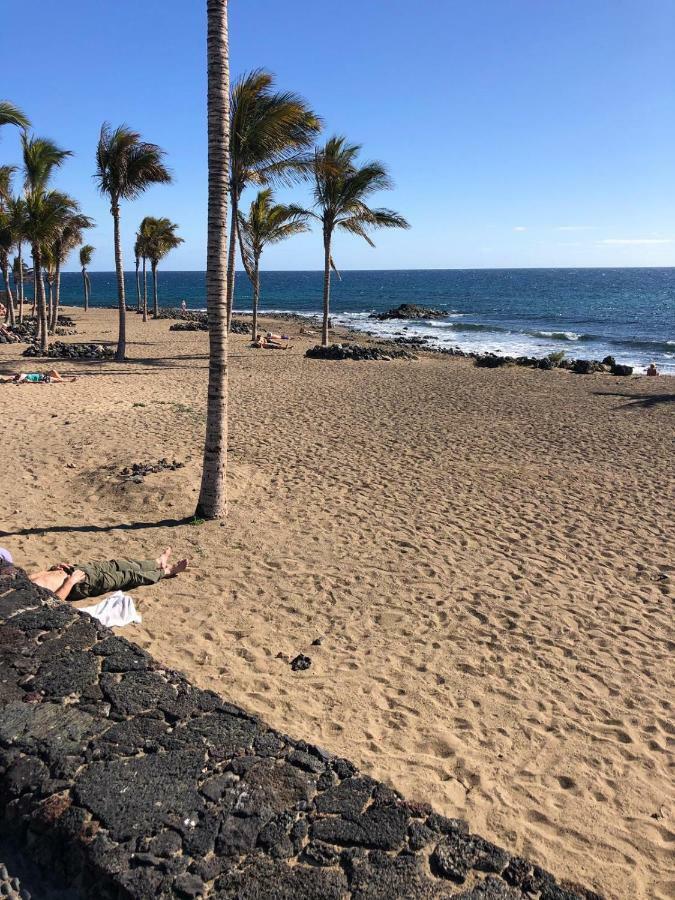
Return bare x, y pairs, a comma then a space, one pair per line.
415, 269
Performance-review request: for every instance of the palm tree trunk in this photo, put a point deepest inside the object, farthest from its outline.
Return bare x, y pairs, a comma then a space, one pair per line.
20, 256
212, 502
145, 291
57, 297
35, 290
326, 289
48, 308
232, 252
138, 287
10, 299
256, 297
121, 299
84, 289
155, 301
40, 298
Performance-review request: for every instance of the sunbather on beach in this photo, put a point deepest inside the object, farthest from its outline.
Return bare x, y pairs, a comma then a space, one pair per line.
266, 344
75, 582
8, 335
51, 377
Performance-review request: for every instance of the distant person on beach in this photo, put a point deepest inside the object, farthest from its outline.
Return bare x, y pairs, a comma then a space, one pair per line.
75, 582
51, 377
183, 306
652, 370
266, 344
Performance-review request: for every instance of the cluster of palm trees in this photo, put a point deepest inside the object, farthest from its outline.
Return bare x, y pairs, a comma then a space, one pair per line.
155, 238
49, 221
271, 136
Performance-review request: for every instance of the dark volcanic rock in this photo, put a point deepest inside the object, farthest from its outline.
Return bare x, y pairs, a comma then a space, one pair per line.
410, 311
357, 352
618, 369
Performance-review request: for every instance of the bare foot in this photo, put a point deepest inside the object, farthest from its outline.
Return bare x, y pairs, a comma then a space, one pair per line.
176, 569
163, 560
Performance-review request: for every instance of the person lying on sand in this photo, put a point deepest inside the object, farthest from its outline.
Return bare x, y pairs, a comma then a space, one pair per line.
308, 331
8, 335
266, 344
276, 337
75, 582
51, 377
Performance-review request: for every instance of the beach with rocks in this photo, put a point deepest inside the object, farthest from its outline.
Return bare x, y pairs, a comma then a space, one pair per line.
459, 576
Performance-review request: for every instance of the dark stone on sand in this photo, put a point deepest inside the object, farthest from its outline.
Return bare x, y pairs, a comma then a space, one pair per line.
609, 361
618, 369
492, 361
59, 350
300, 663
359, 352
410, 311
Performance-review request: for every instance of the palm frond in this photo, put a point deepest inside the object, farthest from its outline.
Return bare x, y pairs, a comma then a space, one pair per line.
126, 165
86, 255
40, 157
12, 115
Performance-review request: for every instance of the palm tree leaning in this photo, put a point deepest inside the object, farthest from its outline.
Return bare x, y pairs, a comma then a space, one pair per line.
341, 187
270, 132
125, 167
86, 255
266, 223
212, 503
161, 240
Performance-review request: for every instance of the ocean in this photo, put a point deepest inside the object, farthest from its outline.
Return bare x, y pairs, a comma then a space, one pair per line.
589, 313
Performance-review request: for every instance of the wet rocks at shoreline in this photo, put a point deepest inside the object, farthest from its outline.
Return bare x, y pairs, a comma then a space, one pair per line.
410, 311
548, 363
358, 352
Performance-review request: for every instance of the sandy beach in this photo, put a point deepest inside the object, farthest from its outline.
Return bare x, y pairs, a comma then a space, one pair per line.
485, 557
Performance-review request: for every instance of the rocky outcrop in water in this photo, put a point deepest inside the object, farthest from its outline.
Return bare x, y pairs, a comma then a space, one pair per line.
118, 778
410, 311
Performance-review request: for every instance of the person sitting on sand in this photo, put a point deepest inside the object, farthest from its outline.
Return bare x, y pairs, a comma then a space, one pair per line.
8, 335
51, 377
652, 370
75, 582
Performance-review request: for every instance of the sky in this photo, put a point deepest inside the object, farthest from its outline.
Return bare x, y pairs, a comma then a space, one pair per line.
518, 133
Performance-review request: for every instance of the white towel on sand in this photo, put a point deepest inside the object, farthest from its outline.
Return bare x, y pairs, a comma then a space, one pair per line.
114, 611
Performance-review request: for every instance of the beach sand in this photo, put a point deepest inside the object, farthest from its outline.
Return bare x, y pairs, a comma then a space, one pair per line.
486, 556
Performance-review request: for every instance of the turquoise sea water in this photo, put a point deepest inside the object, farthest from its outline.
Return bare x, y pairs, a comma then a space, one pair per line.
628, 313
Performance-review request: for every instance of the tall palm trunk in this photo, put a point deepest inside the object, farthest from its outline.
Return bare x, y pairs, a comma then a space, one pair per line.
48, 308
84, 289
138, 286
256, 296
213, 492
231, 255
57, 298
121, 299
145, 291
11, 318
326, 288
88, 290
155, 301
36, 275
21, 298
40, 297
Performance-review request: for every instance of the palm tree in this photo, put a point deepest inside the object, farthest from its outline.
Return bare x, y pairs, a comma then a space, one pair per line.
137, 263
341, 187
17, 213
6, 245
161, 239
267, 223
125, 167
269, 132
12, 115
212, 502
44, 211
86, 254
68, 236
142, 238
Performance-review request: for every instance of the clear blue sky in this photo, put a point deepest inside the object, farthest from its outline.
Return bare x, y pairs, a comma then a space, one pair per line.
518, 132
